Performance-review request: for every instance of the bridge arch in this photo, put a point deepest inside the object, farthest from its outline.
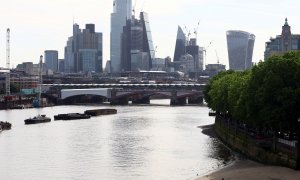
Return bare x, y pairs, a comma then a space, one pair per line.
104, 92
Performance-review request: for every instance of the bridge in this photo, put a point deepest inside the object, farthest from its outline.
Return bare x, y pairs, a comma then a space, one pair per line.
121, 94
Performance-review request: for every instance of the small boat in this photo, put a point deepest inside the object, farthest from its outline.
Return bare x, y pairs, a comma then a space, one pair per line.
37, 119
5, 125
98, 112
71, 116
212, 113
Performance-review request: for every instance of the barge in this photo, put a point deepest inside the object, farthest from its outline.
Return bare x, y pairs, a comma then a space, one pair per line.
71, 116
98, 112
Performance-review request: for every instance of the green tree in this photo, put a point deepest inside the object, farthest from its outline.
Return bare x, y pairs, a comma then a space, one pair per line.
273, 97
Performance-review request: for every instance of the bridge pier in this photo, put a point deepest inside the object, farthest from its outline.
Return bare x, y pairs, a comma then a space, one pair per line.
195, 100
144, 100
175, 101
119, 101
178, 101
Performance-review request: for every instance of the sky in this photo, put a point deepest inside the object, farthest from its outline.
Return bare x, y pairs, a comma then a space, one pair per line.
39, 25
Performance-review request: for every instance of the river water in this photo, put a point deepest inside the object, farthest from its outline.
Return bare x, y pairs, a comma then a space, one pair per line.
140, 142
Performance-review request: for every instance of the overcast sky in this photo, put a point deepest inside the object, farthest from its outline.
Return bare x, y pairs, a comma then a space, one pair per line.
38, 25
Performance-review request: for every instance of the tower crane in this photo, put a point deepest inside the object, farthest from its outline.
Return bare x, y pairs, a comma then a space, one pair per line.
205, 49
188, 34
196, 31
40, 80
7, 79
133, 9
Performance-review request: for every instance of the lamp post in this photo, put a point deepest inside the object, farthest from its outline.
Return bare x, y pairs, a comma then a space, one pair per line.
298, 145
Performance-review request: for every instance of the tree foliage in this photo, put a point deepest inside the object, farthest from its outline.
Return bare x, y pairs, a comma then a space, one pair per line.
267, 95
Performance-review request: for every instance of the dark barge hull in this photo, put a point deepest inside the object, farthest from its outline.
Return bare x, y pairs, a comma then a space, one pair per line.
98, 112
71, 116
31, 121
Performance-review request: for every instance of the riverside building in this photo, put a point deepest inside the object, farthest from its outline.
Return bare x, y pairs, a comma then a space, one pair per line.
283, 43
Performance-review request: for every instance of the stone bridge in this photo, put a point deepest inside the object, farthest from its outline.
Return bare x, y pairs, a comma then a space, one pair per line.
119, 96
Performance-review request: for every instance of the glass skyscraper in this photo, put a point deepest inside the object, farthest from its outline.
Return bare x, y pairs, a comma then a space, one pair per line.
51, 60
240, 46
84, 51
121, 13
180, 44
137, 45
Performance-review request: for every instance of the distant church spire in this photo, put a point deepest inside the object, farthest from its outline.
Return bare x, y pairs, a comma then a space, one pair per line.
286, 22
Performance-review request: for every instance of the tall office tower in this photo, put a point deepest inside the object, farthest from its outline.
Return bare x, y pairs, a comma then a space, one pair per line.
283, 43
137, 45
240, 46
197, 52
121, 13
180, 44
84, 49
61, 65
69, 57
51, 60
147, 38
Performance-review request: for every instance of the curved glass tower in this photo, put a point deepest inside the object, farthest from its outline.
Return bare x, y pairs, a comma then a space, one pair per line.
240, 46
121, 13
180, 44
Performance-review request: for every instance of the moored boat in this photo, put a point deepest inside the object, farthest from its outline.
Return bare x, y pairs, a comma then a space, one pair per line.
37, 119
71, 116
5, 125
98, 112
212, 113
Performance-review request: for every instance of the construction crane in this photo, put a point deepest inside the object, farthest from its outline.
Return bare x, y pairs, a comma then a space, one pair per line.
40, 80
205, 49
133, 9
7, 79
142, 7
196, 31
188, 34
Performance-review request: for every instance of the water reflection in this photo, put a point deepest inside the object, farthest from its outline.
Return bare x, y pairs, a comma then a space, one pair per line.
140, 142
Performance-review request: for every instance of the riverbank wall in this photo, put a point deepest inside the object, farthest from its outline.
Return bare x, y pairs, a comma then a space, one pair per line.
266, 151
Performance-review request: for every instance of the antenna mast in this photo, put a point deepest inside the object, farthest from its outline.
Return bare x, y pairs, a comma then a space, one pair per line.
7, 79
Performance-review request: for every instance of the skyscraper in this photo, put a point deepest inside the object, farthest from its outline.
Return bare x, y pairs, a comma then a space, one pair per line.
137, 45
147, 38
51, 60
181, 41
240, 46
83, 52
121, 13
197, 52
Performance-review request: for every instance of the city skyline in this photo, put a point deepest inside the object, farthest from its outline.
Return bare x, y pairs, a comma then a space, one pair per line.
37, 26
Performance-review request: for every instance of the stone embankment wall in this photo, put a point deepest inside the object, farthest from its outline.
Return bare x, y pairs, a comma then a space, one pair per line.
255, 149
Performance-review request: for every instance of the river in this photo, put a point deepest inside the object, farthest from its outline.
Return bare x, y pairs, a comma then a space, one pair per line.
156, 141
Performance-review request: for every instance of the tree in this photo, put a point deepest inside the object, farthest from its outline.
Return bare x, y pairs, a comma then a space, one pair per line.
273, 97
